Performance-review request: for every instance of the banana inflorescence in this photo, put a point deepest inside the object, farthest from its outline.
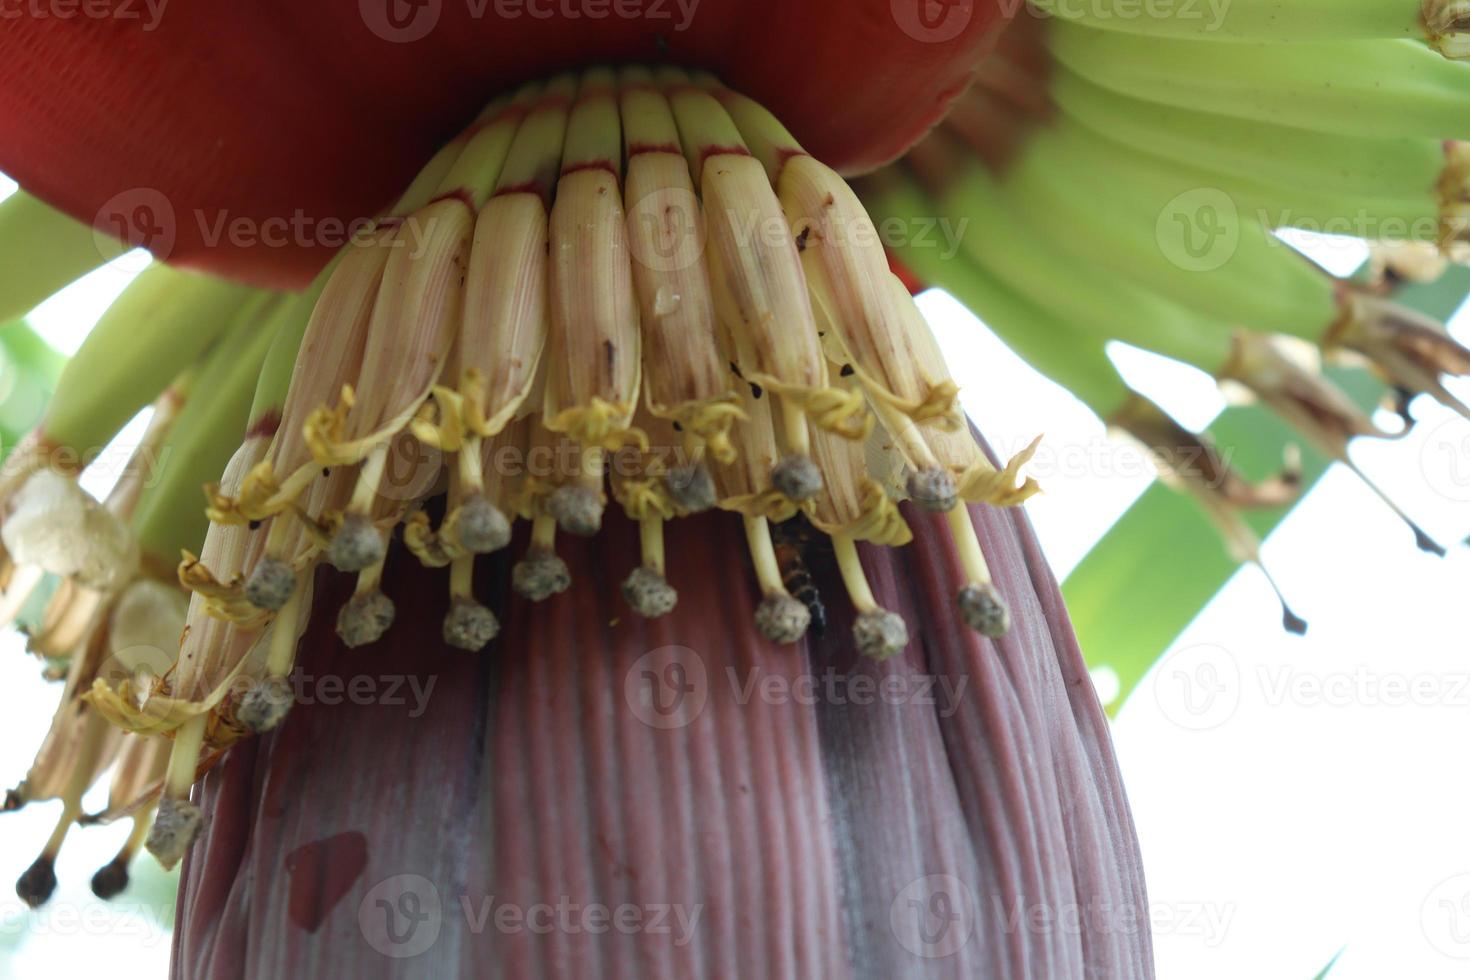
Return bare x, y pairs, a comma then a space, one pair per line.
626, 286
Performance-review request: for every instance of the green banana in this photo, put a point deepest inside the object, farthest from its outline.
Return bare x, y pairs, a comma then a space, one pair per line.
1167, 229
169, 516
44, 250
1038, 267
1248, 20
160, 325
1293, 176
1364, 88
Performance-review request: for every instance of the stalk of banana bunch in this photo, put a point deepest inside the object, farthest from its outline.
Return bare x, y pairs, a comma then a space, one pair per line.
1139, 198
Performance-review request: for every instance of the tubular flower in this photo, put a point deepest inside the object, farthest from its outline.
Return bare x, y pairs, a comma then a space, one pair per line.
1150, 159
617, 390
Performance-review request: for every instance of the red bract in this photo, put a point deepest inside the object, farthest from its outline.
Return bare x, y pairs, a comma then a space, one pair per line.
810, 831
238, 137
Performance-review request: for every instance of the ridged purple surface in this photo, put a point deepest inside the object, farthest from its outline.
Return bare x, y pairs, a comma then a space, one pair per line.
865, 824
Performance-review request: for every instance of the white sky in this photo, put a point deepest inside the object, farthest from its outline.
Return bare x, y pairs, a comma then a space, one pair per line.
1294, 795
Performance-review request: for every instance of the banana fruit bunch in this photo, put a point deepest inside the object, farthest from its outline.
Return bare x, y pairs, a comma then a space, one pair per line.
101, 574
626, 287
1122, 173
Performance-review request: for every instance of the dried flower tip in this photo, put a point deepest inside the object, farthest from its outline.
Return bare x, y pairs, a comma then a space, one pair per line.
692, 488
934, 489
469, 625
577, 509
111, 879
265, 705
1395, 262
270, 584
880, 634
782, 619
1448, 22
365, 618
540, 575
481, 526
1410, 349
984, 611
797, 478
649, 594
357, 545
175, 826
37, 882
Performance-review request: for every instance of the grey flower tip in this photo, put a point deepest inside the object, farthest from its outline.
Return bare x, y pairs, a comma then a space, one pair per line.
175, 826
649, 594
365, 618
797, 478
270, 584
984, 611
782, 619
692, 487
934, 489
880, 634
469, 625
577, 509
481, 527
357, 545
265, 705
539, 576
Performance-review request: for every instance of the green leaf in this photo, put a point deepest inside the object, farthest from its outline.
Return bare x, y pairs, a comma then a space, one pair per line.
1330, 964
1152, 573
